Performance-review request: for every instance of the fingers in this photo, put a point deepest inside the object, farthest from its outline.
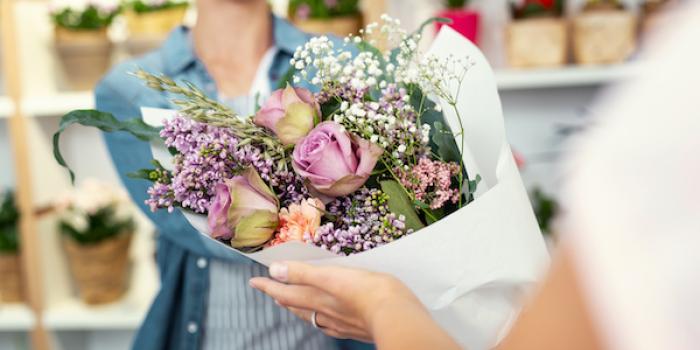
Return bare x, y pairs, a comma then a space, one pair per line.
331, 326
292, 272
302, 297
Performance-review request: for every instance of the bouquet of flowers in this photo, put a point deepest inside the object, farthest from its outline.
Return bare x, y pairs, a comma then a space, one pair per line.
374, 167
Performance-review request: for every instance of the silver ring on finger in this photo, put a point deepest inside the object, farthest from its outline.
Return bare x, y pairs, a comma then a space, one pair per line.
314, 322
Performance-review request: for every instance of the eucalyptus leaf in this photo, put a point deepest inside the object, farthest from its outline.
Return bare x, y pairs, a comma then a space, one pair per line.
400, 204
105, 122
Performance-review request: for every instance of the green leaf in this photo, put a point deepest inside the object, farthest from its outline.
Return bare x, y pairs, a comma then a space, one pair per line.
399, 203
141, 174
445, 144
105, 122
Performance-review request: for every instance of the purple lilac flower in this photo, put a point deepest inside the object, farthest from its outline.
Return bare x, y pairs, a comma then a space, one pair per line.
207, 155
363, 221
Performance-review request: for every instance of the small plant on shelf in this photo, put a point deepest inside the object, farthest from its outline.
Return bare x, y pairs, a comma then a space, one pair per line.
90, 16
10, 288
150, 21
603, 5
536, 9
81, 39
97, 223
464, 20
145, 6
339, 17
537, 37
456, 4
604, 32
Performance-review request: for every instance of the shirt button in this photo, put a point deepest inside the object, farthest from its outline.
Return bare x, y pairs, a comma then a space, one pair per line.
202, 263
192, 328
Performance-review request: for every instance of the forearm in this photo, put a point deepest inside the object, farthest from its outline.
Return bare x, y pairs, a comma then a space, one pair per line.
406, 325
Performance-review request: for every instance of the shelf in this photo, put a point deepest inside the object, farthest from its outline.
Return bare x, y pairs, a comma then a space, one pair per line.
58, 104
572, 76
16, 317
73, 315
6, 107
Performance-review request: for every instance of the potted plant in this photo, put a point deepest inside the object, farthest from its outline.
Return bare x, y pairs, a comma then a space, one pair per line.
10, 283
339, 17
81, 40
537, 36
464, 21
150, 21
604, 32
97, 226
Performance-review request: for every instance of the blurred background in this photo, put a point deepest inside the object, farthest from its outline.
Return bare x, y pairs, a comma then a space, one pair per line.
551, 58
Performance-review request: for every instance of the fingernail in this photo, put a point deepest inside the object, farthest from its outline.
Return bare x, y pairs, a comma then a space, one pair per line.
279, 272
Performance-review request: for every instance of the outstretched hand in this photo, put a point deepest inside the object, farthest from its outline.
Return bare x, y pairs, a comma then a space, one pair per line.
345, 300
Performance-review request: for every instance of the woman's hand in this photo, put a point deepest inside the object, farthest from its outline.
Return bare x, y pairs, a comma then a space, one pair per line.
345, 300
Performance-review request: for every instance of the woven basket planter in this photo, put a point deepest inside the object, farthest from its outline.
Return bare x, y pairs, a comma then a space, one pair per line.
340, 26
604, 36
155, 23
538, 42
11, 280
148, 30
85, 55
100, 270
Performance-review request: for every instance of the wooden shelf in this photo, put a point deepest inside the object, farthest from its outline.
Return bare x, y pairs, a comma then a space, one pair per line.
571, 76
16, 317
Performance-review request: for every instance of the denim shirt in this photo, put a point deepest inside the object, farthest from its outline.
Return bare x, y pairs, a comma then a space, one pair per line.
175, 318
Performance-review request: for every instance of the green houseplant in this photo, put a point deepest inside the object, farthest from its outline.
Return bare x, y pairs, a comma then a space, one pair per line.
97, 225
339, 17
80, 33
10, 285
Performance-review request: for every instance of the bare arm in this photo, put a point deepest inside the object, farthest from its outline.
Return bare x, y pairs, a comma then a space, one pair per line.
375, 307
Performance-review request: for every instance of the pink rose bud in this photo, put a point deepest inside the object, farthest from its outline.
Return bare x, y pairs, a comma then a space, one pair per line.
244, 210
290, 113
334, 162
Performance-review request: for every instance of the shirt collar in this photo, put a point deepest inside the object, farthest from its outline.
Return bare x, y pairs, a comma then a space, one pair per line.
178, 51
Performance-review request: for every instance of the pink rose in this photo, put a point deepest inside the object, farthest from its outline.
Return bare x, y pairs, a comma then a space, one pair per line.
244, 210
290, 113
334, 162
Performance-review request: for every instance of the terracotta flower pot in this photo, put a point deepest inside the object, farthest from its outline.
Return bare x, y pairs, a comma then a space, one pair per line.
465, 22
11, 281
86, 55
339, 26
537, 42
148, 30
100, 270
604, 36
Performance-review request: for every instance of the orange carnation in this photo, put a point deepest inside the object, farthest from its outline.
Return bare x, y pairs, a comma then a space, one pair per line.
299, 222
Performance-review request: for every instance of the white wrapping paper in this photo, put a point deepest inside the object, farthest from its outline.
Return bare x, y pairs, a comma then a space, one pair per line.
470, 269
